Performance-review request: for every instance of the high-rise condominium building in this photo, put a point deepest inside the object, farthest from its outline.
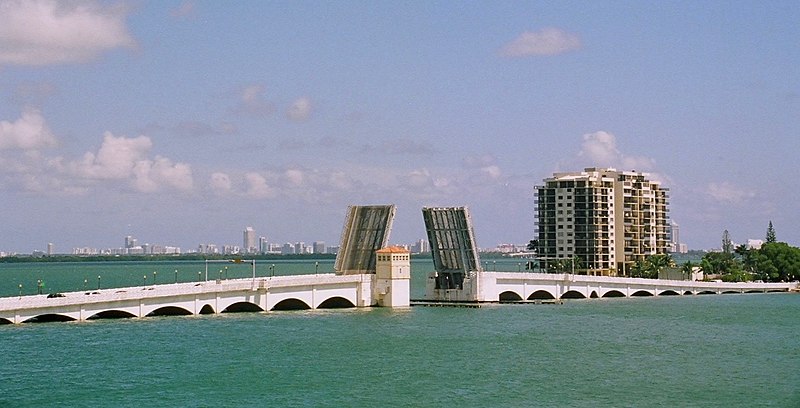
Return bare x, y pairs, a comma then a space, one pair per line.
250, 245
603, 218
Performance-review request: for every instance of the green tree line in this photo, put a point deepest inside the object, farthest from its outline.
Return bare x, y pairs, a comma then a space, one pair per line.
773, 262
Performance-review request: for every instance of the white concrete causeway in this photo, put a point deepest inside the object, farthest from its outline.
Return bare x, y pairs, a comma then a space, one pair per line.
210, 297
523, 286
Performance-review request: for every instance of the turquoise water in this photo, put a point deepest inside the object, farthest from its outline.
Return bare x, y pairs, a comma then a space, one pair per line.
728, 350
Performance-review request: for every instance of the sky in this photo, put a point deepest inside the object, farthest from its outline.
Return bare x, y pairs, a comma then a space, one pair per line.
182, 123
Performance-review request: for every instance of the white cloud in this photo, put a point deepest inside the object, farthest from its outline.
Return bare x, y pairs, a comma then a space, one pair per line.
28, 132
122, 158
295, 176
423, 184
220, 183
484, 160
253, 102
300, 110
419, 178
340, 181
599, 149
42, 32
484, 164
729, 193
492, 171
115, 159
547, 41
151, 175
257, 186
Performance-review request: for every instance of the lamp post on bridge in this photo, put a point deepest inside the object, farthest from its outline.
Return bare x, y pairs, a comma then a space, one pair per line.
272, 270
316, 268
145, 282
176, 276
98, 282
154, 277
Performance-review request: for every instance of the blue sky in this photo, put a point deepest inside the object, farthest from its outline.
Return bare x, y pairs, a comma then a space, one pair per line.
183, 122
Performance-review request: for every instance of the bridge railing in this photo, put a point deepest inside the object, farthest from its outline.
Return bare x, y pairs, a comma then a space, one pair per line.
174, 289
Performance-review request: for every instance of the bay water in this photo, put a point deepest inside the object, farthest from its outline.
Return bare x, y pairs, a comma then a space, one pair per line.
713, 350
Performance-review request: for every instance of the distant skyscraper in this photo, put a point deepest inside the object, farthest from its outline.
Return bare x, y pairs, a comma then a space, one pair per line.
263, 245
130, 242
675, 236
250, 241
421, 246
319, 247
608, 219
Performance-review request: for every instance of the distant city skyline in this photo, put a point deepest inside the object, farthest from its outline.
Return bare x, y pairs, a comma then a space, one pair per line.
183, 122
132, 246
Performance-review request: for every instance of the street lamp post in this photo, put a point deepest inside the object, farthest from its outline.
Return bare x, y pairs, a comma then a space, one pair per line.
145, 281
20, 290
98, 282
176, 276
316, 267
85, 283
199, 276
154, 277
272, 270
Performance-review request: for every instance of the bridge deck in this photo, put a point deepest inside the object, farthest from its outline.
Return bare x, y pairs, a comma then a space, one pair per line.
527, 286
141, 300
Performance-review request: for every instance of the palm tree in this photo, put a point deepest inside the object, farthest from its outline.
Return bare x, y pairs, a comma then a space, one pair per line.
707, 267
638, 269
688, 268
655, 263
